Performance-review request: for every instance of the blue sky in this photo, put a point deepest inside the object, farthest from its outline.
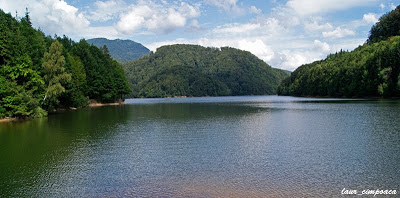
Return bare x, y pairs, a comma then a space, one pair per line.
283, 33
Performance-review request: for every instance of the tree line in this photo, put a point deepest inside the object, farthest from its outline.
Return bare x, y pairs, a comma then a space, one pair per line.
39, 73
371, 70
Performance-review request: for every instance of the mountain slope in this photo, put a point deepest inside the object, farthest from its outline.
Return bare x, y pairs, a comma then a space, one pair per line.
370, 70
191, 70
122, 50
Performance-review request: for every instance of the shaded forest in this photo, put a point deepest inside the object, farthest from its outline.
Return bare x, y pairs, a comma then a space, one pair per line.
192, 70
39, 73
371, 70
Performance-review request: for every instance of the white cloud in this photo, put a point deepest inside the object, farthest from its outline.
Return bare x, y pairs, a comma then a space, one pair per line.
285, 16
321, 46
154, 17
106, 10
290, 60
370, 18
338, 33
347, 44
227, 5
263, 26
52, 16
382, 6
194, 27
315, 26
255, 10
190, 11
96, 32
257, 47
309, 7
237, 28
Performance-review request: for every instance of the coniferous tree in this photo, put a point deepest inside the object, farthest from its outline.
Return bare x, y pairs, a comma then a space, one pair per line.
31, 79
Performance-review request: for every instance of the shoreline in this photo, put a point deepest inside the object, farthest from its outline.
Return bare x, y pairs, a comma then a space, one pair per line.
8, 119
96, 104
92, 104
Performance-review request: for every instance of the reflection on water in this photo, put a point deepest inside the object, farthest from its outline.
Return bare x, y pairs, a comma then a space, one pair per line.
205, 147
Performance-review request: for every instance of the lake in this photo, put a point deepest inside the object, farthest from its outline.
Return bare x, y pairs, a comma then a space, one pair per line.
253, 146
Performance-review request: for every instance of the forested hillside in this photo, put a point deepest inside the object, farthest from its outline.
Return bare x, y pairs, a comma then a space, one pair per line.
191, 70
39, 73
122, 50
370, 70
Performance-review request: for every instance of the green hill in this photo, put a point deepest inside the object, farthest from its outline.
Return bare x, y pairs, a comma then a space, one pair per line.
191, 70
371, 70
122, 50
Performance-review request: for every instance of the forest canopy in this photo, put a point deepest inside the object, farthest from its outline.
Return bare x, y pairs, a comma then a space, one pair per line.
371, 70
39, 73
192, 70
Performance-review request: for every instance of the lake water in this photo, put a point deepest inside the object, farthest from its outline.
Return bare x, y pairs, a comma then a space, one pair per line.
261, 146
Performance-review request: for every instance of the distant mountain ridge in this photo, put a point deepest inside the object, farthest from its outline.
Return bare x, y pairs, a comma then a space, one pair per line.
122, 50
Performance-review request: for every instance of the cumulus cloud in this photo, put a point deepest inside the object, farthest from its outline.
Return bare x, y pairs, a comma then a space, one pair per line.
257, 47
194, 27
290, 60
315, 26
338, 33
154, 17
52, 16
309, 7
58, 17
370, 18
106, 10
226, 5
255, 10
263, 26
321, 46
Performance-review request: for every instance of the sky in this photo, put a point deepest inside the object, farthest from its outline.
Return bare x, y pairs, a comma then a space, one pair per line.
283, 33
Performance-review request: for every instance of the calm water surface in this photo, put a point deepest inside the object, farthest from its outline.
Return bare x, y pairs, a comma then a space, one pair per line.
265, 146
